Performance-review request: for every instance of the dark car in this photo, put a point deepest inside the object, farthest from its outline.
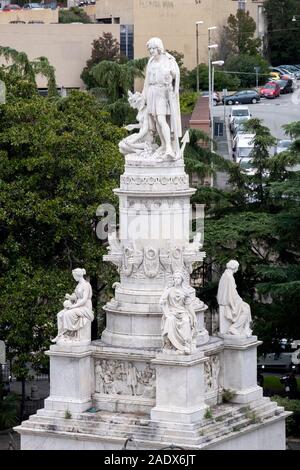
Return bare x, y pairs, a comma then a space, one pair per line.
244, 96
286, 86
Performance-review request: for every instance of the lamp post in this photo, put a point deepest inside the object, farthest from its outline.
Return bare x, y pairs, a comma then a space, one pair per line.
210, 46
197, 52
220, 63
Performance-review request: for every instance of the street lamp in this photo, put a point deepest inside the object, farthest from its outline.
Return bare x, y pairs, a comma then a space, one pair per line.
215, 62
210, 47
197, 49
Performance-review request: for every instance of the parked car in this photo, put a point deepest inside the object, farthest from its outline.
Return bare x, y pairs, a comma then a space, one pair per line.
238, 111
237, 121
11, 7
292, 69
282, 146
33, 6
239, 128
244, 96
274, 76
270, 90
216, 97
285, 73
242, 146
286, 86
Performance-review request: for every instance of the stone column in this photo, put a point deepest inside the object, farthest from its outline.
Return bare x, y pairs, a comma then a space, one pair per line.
179, 388
71, 378
240, 368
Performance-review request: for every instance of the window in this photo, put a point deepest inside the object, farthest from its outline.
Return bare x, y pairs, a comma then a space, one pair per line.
126, 40
104, 20
116, 20
242, 5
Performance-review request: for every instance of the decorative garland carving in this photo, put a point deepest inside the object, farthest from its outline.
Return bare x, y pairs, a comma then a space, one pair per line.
152, 262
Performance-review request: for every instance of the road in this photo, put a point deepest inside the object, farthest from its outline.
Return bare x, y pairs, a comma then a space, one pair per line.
274, 112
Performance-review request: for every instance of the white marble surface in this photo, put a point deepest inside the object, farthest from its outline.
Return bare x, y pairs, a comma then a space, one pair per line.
240, 368
180, 388
71, 378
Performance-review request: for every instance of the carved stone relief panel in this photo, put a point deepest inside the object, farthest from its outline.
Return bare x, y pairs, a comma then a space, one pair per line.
124, 378
211, 373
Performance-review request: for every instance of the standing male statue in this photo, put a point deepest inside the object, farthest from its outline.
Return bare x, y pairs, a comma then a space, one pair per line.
161, 94
234, 313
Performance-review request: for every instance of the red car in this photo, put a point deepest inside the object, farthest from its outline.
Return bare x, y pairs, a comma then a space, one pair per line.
270, 90
11, 7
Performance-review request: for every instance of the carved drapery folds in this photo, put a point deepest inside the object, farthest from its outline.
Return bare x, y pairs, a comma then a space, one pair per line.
212, 371
124, 378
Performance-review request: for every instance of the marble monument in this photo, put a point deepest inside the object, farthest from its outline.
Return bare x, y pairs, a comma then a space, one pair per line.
155, 374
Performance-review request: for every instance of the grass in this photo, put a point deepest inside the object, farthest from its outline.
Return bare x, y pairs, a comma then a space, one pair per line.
208, 414
272, 382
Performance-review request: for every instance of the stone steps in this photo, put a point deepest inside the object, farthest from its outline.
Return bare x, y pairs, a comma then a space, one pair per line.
232, 418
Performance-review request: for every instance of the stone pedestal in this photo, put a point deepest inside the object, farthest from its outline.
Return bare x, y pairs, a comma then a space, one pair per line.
240, 368
179, 388
71, 378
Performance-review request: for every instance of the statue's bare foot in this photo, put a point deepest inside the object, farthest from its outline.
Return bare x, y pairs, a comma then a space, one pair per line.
170, 152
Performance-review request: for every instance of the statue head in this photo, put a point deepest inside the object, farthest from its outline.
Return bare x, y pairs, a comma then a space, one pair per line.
155, 44
178, 278
136, 100
233, 265
78, 273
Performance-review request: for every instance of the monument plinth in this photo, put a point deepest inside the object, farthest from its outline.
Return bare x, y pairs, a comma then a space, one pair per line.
155, 374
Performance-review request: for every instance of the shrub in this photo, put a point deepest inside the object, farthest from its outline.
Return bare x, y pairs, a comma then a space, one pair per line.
293, 421
227, 395
208, 414
68, 414
8, 411
188, 99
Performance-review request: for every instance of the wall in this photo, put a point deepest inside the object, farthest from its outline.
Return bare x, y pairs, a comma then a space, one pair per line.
173, 21
122, 9
67, 46
46, 15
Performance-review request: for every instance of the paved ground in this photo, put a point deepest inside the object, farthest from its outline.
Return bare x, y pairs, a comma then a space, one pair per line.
275, 112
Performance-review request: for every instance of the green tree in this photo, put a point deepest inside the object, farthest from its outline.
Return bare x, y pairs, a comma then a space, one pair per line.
244, 67
104, 48
240, 31
73, 15
20, 68
258, 223
113, 81
283, 35
221, 79
58, 161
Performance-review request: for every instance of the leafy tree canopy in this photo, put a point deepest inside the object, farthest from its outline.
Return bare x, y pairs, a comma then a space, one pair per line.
240, 31
283, 34
73, 15
59, 161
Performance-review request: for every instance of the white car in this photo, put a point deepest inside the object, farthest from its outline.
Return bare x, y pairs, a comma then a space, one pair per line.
238, 111
282, 146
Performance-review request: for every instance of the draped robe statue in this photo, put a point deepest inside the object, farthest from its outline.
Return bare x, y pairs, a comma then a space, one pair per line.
179, 322
77, 315
234, 313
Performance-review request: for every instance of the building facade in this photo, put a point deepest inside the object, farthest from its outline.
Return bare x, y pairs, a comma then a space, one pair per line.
174, 21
